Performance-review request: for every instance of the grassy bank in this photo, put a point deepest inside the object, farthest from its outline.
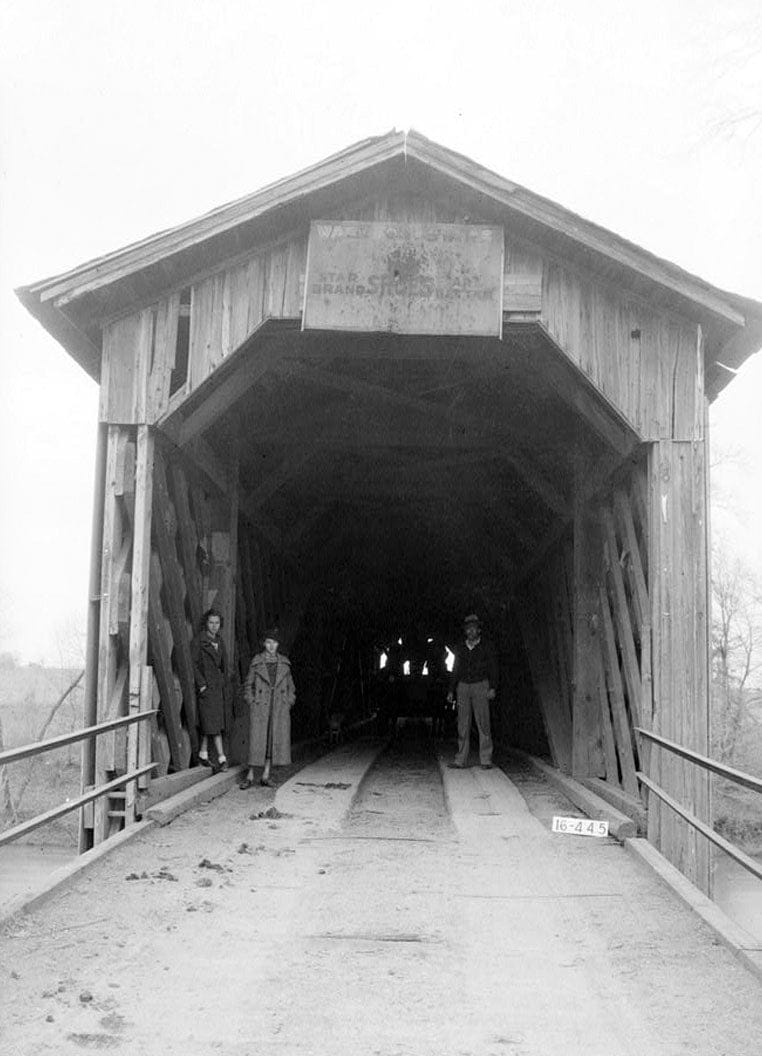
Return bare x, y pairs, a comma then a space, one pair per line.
738, 816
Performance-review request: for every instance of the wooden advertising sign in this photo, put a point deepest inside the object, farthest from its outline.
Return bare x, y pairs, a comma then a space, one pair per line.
404, 278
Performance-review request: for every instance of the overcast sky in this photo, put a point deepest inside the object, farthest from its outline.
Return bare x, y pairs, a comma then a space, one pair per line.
120, 119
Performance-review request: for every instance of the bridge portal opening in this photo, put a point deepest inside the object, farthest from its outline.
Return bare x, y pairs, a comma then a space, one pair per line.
397, 483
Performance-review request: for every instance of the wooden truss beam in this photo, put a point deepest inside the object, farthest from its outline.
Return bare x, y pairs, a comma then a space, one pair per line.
551, 367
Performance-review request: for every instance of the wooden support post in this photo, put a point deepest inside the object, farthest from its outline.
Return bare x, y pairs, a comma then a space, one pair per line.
587, 750
680, 633
243, 649
614, 685
231, 567
607, 733
633, 564
230, 579
160, 638
139, 693
249, 592
173, 581
535, 630
188, 535
113, 651
625, 636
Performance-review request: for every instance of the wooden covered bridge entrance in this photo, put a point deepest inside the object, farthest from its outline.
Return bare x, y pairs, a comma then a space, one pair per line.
287, 435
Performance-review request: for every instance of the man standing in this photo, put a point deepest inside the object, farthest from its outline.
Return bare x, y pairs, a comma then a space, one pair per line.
474, 678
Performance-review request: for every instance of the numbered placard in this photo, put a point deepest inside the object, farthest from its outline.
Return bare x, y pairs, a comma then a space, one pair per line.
580, 826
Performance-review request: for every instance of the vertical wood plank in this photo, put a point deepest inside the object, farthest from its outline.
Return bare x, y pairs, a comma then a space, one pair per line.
256, 279
249, 591
677, 471
138, 640
163, 361
555, 714
633, 563
160, 641
188, 535
113, 650
165, 529
607, 734
587, 757
231, 570
619, 718
276, 285
624, 635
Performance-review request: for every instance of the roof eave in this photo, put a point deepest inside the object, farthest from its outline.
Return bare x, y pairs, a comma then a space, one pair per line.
48, 299
65, 332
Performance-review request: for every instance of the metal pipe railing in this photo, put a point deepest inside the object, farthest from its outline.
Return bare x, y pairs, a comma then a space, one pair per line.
719, 841
728, 772
704, 761
12, 755
74, 804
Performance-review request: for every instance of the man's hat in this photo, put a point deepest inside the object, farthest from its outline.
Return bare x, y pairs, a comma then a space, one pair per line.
472, 618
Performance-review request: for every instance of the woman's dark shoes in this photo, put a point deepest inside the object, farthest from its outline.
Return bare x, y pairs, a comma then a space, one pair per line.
246, 783
266, 782
223, 764
204, 760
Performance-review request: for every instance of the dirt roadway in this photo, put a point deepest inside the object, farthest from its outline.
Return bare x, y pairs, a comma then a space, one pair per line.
420, 926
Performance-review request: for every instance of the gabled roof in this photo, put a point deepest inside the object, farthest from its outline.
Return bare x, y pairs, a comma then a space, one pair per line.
71, 305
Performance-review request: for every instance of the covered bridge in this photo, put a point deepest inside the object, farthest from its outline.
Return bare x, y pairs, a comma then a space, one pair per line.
380, 393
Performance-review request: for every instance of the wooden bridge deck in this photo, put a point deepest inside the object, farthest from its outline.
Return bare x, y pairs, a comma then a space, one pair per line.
439, 916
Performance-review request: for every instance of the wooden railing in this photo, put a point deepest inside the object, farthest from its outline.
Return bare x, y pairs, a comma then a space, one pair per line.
714, 767
13, 755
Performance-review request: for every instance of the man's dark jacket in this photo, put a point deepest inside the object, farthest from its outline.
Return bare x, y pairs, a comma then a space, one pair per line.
474, 665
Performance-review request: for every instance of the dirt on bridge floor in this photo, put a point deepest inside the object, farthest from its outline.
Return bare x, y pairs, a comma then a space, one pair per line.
432, 919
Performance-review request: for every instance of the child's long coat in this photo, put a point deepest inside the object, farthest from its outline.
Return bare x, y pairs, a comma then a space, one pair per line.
263, 698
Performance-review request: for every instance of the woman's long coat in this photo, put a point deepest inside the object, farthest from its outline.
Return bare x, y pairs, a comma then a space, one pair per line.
210, 669
269, 703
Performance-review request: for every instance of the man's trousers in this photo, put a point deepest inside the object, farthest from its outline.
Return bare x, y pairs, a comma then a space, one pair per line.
472, 700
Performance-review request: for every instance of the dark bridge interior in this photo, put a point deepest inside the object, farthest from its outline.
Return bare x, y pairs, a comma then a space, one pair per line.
427, 475
410, 479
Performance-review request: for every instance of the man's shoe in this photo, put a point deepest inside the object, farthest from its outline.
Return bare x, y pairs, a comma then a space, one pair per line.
487, 766
455, 766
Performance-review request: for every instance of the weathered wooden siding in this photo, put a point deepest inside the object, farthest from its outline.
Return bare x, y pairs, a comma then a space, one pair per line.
680, 614
649, 366
586, 624
228, 305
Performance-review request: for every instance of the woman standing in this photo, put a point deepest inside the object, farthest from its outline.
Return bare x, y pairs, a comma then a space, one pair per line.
210, 667
270, 694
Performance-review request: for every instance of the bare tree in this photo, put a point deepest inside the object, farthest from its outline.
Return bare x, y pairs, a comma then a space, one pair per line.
736, 638
730, 45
